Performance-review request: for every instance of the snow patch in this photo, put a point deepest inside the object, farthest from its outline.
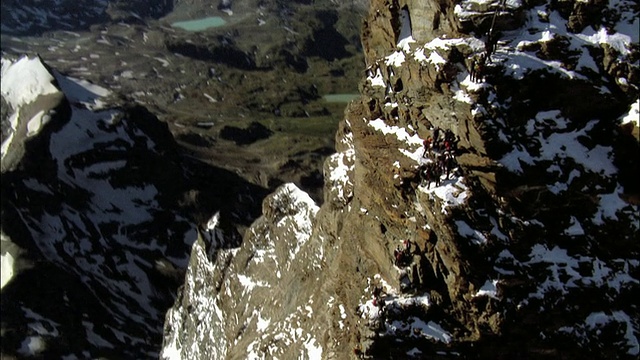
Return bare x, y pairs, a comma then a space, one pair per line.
633, 116
611, 205
7, 269
396, 59
558, 146
262, 324
32, 345
314, 351
474, 235
36, 123
377, 80
489, 289
575, 229
618, 41
417, 327
597, 319
452, 193
24, 81
414, 142
564, 271
339, 177
80, 91
250, 284
405, 38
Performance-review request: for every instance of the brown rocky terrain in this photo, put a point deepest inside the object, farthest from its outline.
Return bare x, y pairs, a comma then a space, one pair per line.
528, 249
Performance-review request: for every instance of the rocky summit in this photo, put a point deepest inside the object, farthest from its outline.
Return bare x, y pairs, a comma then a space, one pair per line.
170, 194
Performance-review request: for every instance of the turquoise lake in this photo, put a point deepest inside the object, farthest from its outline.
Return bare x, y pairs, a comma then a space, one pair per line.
200, 24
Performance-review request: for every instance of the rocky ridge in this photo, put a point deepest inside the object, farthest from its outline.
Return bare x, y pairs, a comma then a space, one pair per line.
528, 250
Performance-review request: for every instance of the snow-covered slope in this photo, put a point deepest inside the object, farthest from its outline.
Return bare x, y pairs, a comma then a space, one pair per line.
90, 228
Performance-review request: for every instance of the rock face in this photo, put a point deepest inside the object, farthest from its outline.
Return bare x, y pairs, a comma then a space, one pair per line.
528, 249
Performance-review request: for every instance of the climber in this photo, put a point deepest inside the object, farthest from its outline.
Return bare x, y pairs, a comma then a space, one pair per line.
479, 70
425, 174
427, 146
437, 172
436, 133
455, 145
472, 70
447, 146
490, 45
448, 163
448, 135
407, 246
397, 255
414, 274
377, 292
492, 38
434, 173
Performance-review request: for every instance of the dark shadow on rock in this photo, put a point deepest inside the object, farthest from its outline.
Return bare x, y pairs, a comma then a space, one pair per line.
216, 189
66, 308
294, 61
195, 139
224, 53
254, 132
326, 42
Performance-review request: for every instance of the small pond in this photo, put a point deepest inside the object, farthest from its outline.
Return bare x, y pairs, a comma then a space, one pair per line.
200, 24
340, 98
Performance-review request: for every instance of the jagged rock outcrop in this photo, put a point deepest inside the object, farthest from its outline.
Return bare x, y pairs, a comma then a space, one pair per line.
527, 249
241, 297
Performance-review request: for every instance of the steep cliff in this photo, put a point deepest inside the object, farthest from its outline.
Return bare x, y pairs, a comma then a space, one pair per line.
528, 246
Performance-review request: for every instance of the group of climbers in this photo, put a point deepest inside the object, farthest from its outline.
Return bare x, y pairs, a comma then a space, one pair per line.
439, 155
408, 259
477, 69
